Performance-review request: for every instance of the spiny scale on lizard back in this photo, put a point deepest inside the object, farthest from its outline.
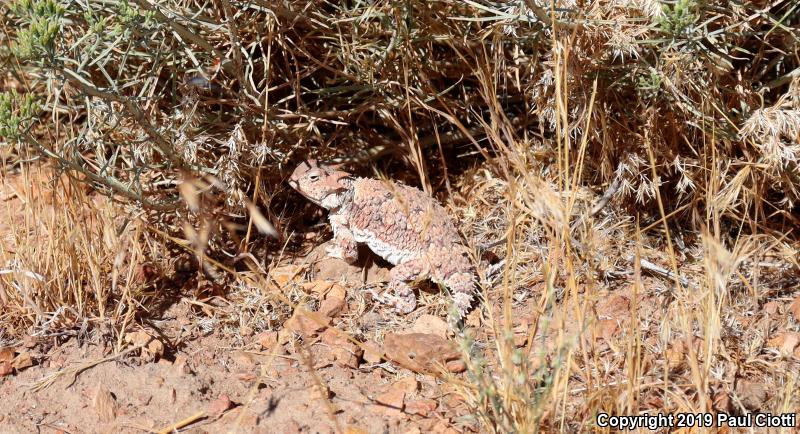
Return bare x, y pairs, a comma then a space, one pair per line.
400, 215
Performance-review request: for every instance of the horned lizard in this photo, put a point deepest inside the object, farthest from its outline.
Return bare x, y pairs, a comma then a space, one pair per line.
401, 224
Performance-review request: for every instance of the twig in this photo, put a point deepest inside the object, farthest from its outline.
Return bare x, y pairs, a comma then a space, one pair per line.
603, 201
163, 145
112, 183
386, 147
659, 271
76, 370
178, 425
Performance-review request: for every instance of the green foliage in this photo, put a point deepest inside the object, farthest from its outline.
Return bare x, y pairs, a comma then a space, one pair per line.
129, 16
648, 84
679, 19
42, 25
16, 113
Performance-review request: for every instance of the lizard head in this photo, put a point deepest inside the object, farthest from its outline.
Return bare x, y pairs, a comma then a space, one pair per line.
319, 182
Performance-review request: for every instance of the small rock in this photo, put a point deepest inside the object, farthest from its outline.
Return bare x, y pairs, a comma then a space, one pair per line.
422, 407
752, 394
307, 323
22, 361
372, 353
345, 352
267, 340
432, 325
392, 399
421, 352
334, 302
105, 405
785, 343
220, 405
6, 369
6, 354
181, 364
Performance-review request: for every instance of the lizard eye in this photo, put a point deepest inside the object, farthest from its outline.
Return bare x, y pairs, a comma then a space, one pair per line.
313, 178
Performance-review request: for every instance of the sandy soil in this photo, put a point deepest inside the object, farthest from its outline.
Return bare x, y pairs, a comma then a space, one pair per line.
234, 382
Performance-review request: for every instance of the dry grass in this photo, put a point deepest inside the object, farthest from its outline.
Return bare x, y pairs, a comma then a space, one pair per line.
582, 143
70, 259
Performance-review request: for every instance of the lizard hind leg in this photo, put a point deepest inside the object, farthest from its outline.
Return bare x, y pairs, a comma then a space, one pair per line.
400, 296
399, 293
462, 287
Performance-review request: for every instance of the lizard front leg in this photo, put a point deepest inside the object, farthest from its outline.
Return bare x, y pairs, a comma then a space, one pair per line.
344, 245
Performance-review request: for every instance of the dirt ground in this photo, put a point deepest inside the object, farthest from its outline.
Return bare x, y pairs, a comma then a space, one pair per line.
234, 381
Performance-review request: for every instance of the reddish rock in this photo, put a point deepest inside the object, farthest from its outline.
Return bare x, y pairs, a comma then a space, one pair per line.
422, 352
220, 405
431, 324
267, 340
372, 352
422, 407
344, 352
334, 302
307, 324
5, 369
